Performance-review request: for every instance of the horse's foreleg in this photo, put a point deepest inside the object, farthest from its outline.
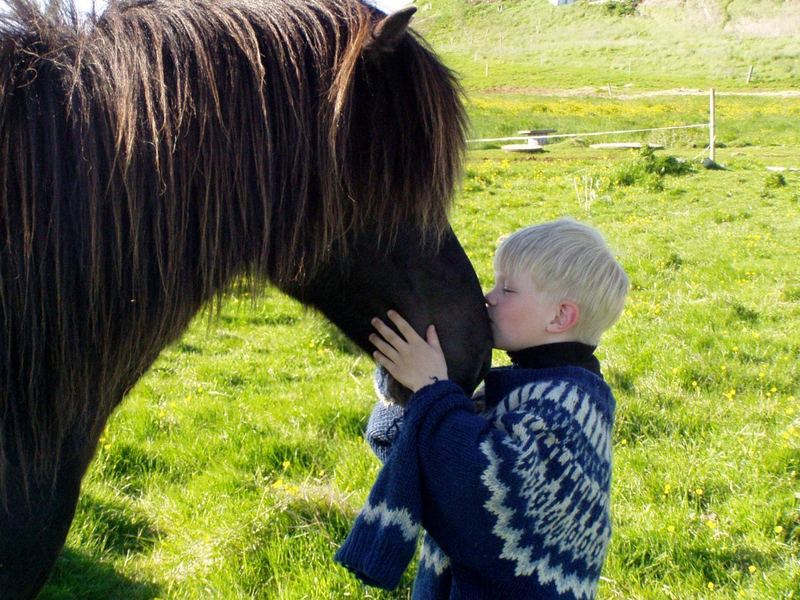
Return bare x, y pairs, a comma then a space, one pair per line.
34, 526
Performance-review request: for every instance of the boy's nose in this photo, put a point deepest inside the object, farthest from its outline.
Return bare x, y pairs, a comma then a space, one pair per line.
489, 299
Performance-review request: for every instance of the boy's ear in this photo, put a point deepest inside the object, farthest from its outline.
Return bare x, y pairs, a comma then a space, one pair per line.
566, 317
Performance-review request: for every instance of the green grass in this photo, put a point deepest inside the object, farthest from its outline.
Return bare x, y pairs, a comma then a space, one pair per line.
236, 465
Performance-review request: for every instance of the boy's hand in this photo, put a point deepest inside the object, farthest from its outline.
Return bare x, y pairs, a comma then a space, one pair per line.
411, 360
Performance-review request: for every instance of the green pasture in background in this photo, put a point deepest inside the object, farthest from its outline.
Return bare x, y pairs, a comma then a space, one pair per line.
527, 45
236, 465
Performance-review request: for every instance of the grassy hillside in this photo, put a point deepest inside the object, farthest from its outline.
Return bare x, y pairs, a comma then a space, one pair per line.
530, 44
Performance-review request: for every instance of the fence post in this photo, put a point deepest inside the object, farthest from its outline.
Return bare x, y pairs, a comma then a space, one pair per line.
712, 125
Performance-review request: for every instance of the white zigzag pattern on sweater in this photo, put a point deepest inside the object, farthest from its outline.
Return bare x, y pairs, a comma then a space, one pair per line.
388, 516
560, 522
433, 558
512, 550
595, 427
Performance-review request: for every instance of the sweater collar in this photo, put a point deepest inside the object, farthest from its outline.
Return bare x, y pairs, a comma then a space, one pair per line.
560, 354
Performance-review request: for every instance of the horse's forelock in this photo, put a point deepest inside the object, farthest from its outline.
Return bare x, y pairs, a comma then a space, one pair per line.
401, 140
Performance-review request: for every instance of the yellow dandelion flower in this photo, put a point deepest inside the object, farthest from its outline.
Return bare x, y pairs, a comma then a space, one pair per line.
711, 524
778, 529
694, 384
671, 529
752, 568
698, 491
710, 585
286, 464
773, 389
761, 374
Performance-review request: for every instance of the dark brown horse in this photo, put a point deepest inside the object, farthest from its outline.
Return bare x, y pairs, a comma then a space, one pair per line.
153, 156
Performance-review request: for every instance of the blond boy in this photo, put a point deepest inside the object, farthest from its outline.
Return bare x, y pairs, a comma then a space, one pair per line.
514, 500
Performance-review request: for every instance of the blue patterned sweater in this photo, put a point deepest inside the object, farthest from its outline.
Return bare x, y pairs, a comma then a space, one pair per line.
515, 501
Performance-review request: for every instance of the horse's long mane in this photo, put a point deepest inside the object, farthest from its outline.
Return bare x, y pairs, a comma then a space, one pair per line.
151, 155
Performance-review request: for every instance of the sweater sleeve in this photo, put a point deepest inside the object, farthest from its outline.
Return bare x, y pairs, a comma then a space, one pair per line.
386, 418
383, 538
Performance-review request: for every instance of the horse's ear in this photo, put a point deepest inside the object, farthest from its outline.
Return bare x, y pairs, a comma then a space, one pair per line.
388, 32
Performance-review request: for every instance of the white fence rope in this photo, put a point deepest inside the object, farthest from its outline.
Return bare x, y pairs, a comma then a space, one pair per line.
594, 133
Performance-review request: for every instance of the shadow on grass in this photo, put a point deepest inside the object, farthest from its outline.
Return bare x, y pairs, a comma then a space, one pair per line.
81, 576
117, 527
129, 467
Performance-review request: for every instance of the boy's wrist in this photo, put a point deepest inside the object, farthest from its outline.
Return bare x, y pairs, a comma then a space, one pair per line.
429, 381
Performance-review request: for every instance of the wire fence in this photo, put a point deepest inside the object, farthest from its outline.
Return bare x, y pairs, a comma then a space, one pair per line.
587, 134
534, 138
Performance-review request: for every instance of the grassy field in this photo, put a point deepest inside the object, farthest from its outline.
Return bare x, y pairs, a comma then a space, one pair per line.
236, 466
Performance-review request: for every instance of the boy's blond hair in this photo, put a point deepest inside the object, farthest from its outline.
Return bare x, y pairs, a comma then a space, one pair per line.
568, 260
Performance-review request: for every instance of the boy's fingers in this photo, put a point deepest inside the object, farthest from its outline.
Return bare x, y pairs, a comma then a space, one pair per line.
382, 361
433, 337
386, 363
402, 325
386, 332
385, 348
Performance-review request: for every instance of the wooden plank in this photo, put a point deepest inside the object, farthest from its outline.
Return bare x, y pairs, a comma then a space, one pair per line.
623, 145
522, 148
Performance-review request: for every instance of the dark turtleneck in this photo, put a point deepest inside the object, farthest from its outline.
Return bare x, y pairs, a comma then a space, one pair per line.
561, 354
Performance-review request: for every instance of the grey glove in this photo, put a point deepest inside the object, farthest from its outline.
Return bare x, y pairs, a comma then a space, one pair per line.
386, 419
